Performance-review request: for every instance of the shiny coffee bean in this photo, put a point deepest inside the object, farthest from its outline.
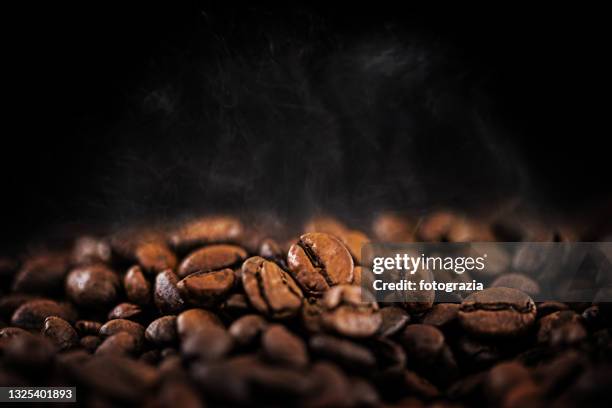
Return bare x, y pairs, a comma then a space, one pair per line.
347, 314
137, 287
247, 329
119, 344
89, 250
349, 354
393, 320
92, 285
497, 312
42, 274
389, 227
162, 331
125, 311
32, 314
442, 315
319, 261
270, 290
115, 326
155, 257
423, 342
207, 230
211, 258
87, 327
283, 347
194, 321
60, 332
166, 294
90, 343
206, 289
211, 344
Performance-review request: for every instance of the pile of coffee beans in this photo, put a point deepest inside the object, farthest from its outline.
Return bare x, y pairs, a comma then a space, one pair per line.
216, 312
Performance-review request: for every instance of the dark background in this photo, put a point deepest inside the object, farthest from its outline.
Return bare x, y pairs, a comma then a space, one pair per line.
125, 112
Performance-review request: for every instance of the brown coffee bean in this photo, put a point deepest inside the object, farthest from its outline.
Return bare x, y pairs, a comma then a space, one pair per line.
212, 343
90, 343
442, 315
178, 394
85, 327
517, 281
211, 258
194, 321
393, 320
331, 388
389, 227
137, 287
283, 347
546, 308
346, 313
469, 230
11, 302
88, 250
32, 314
504, 377
206, 288
124, 311
162, 331
435, 227
497, 312
479, 352
121, 325
92, 285
354, 241
561, 328
155, 257
236, 304
30, 353
312, 315
166, 295
423, 342
417, 385
319, 261
207, 230
349, 354
270, 289
42, 274
247, 329
121, 343
10, 332
270, 250
60, 332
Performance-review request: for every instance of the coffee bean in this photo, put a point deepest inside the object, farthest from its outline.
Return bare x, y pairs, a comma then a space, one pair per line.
270, 250
121, 343
137, 287
312, 315
270, 290
423, 342
211, 258
442, 315
389, 227
504, 377
178, 394
32, 314
166, 295
415, 384
393, 320
60, 332
561, 328
319, 261
331, 387
10, 332
85, 327
31, 354
546, 308
115, 326
124, 311
435, 227
92, 285
283, 347
497, 312
42, 274
207, 230
346, 313
88, 250
194, 321
351, 355
206, 288
11, 302
90, 343
247, 329
517, 281
212, 343
155, 257
469, 230
162, 331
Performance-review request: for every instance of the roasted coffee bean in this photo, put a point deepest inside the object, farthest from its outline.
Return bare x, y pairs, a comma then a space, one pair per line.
42, 274
517, 281
60, 332
389, 227
442, 315
390, 356
121, 343
211, 258
247, 329
346, 313
479, 352
92, 285
11, 302
497, 312
271, 290
393, 320
504, 377
319, 261
90, 343
124, 311
33, 353
236, 305
32, 314
194, 321
271, 250
85, 327
88, 250
115, 326
155, 257
423, 342
331, 387
206, 288
344, 352
283, 347
561, 328
435, 227
178, 394
207, 230
137, 287
546, 308
10, 332
212, 343
312, 315
162, 331
166, 295
417, 385
469, 230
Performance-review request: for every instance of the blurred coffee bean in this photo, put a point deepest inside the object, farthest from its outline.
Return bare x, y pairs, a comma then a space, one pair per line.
346, 313
349, 354
393, 320
354, 241
137, 287
33, 354
115, 326
206, 288
417, 385
32, 314
194, 321
497, 312
388, 227
166, 294
283, 347
125, 311
561, 328
212, 343
390, 356
8, 267
247, 329
441, 315
154, 257
435, 227
422, 342
319, 261
504, 377
331, 388
88, 250
178, 394
90, 343
162, 331
119, 344
207, 230
42, 274
469, 230
479, 352
60, 332
85, 327
11, 302
312, 314
546, 308
92, 285
270, 289
235, 305
211, 258
10, 332
517, 281
270, 250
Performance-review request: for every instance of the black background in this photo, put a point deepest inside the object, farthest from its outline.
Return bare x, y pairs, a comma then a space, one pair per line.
121, 112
